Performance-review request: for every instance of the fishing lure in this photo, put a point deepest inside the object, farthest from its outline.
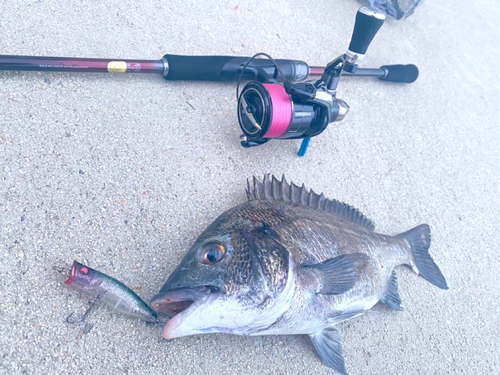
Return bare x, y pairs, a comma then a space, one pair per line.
107, 290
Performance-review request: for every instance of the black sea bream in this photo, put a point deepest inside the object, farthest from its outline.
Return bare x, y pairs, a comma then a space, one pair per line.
288, 262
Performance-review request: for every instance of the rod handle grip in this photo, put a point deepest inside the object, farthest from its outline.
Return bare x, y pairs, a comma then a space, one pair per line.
228, 68
368, 22
400, 73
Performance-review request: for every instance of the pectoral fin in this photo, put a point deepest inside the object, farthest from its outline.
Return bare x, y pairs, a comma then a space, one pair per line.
391, 297
328, 345
339, 274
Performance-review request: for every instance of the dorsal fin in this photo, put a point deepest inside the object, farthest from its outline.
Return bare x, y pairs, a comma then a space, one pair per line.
273, 189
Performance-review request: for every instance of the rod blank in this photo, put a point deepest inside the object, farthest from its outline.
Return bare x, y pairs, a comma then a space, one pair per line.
74, 64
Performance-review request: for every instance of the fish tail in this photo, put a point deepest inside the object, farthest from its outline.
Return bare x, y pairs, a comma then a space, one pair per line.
419, 239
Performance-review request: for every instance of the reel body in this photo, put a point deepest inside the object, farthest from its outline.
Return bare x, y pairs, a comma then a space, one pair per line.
269, 109
286, 111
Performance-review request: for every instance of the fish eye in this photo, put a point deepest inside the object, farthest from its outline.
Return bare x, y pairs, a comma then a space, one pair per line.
84, 271
212, 252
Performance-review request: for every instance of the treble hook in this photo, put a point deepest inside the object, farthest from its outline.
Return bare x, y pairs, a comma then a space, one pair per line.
86, 328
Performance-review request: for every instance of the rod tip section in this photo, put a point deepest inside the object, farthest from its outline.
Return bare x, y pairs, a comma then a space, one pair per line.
400, 73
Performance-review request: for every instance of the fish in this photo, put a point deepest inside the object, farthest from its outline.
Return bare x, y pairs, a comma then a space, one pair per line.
290, 262
107, 290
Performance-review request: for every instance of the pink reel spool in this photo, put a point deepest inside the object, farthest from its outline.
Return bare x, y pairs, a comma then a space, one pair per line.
282, 110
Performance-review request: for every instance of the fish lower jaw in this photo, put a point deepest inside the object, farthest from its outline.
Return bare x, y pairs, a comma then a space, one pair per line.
171, 333
171, 329
177, 327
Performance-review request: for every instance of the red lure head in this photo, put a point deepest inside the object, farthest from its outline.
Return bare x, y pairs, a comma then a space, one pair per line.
83, 277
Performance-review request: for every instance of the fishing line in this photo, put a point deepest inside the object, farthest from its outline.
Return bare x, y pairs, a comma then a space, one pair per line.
281, 110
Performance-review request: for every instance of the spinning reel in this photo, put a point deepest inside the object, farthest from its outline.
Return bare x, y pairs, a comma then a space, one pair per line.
274, 107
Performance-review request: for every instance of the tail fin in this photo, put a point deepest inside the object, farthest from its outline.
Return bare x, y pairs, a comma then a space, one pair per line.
419, 239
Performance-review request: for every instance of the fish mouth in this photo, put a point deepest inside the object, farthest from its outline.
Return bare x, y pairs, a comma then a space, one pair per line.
177, 304
175, 301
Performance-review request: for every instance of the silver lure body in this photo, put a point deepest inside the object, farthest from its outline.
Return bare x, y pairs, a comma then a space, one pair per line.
109, 291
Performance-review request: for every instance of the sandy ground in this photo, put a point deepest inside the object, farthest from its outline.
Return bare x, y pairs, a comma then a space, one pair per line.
123, 172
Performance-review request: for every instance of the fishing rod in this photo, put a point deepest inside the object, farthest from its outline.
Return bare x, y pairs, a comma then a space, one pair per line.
191, 68
278, 103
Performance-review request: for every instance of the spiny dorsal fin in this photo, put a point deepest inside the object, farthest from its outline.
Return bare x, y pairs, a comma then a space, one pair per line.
273, 189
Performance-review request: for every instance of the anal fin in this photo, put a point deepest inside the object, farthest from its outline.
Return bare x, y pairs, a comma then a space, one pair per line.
391, 298
327, 344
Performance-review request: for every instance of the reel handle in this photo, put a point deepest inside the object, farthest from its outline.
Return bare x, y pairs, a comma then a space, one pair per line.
368, 22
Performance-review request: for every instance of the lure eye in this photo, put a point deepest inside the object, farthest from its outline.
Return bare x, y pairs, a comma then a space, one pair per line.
212, 253
84, 271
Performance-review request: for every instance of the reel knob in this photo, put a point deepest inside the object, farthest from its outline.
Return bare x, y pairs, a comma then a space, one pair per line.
368, 22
